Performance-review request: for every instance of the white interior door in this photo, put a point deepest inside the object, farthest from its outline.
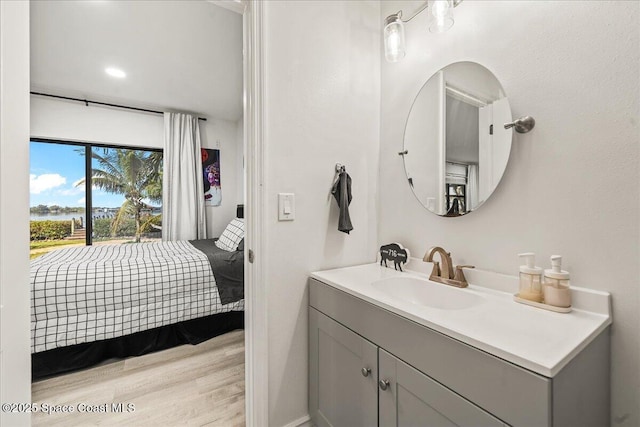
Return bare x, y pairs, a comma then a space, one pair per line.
501, 146
485, 155
494, 145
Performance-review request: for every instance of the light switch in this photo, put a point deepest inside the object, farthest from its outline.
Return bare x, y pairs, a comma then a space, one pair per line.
286, 207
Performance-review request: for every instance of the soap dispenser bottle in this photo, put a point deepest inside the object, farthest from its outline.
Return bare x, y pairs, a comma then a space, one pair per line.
530, 278
556, 284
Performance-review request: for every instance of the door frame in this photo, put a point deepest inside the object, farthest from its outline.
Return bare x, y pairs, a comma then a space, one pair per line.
256, 338
14, 305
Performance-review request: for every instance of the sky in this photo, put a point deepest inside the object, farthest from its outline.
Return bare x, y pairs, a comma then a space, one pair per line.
55, 173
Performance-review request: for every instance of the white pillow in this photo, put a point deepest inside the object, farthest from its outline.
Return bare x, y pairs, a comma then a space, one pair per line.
232, 235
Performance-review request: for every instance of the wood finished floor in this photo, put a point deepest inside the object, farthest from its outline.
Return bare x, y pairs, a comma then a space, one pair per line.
192, 385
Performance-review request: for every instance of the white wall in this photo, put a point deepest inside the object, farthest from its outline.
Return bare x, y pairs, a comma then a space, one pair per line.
240, 161
572, 185
223, 134
15, 363
321, 107
73, 121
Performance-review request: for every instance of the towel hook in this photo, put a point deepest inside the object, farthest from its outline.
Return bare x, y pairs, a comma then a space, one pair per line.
339, 169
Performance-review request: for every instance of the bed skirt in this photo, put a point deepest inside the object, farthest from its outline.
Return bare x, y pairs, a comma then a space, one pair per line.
195, 331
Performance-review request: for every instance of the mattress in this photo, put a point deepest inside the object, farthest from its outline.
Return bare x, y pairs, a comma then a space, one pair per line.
93, 293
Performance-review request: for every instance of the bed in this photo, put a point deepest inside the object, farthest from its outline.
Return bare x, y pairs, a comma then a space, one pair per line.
93, 303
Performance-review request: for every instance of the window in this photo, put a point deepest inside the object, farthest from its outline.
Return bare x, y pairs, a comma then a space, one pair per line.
93, 194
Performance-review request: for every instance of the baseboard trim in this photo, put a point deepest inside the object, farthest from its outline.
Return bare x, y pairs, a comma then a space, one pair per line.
300, 422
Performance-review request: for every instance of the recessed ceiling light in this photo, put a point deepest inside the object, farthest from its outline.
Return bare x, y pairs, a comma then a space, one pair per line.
115, 72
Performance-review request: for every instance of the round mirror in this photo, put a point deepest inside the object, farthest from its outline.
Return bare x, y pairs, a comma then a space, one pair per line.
455, 145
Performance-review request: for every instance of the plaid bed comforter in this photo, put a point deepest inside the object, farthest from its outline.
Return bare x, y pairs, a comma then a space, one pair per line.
92, 293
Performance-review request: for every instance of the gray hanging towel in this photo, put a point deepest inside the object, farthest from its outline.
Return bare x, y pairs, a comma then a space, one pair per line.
342, 192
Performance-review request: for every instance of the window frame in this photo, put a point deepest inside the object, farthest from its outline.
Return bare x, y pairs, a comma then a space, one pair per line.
88, 147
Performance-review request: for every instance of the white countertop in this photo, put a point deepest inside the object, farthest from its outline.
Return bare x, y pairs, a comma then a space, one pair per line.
539, 340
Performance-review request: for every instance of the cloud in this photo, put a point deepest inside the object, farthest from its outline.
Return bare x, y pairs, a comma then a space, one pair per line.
78, 188
81, 201
73, 191
44, 182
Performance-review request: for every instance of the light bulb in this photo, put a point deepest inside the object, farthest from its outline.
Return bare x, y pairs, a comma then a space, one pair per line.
115, 72
393, 39
441, 18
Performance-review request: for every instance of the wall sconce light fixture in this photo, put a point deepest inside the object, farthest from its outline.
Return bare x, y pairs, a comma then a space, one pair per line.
440, 20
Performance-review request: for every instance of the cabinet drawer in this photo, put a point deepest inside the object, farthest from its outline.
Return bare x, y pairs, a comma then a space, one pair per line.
512, 394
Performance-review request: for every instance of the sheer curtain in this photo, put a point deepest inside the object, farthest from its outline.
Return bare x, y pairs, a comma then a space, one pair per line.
472, 187
183, 213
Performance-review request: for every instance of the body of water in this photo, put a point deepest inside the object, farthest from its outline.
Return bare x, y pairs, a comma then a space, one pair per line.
57, 217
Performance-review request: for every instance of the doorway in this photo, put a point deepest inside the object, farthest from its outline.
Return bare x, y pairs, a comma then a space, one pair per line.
253, 160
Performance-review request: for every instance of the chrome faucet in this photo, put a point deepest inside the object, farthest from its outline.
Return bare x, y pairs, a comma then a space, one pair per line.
445, 274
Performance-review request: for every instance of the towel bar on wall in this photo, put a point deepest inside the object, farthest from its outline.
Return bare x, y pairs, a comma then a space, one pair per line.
522, 125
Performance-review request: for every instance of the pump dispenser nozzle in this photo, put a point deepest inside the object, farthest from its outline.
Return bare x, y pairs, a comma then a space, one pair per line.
556, 271
530, 263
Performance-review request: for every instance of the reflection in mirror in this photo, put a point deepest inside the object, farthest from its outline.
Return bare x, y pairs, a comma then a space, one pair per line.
455, 156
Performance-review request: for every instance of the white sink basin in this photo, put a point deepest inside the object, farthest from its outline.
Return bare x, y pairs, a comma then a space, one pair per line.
429, 294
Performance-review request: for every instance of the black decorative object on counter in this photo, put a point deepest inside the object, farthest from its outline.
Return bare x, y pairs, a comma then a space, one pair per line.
396, 253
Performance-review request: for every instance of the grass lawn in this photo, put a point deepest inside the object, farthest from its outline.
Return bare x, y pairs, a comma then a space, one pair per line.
39, 247
41, 244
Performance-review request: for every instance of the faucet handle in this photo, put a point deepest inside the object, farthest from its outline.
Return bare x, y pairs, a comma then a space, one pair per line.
436, 269
459, 276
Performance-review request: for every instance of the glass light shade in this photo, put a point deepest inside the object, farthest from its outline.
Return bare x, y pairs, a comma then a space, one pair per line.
394, 39
441, 16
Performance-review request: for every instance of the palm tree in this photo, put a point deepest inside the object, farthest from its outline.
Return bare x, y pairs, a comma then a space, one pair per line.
135, 174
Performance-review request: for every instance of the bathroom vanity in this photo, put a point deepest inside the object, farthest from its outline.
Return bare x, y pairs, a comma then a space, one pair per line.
391, 348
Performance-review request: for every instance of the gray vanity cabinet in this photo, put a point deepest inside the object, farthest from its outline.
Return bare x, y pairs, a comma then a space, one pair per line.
343, 384
413, 399
430, 379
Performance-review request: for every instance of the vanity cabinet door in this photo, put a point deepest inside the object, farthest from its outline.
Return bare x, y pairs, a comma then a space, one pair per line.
343, 375
410, 398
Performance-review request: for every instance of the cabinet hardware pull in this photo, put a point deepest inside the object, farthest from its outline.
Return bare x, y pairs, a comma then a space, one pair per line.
384, 384
365, 372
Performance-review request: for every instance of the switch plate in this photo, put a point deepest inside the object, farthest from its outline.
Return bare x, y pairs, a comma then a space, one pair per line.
286, 206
